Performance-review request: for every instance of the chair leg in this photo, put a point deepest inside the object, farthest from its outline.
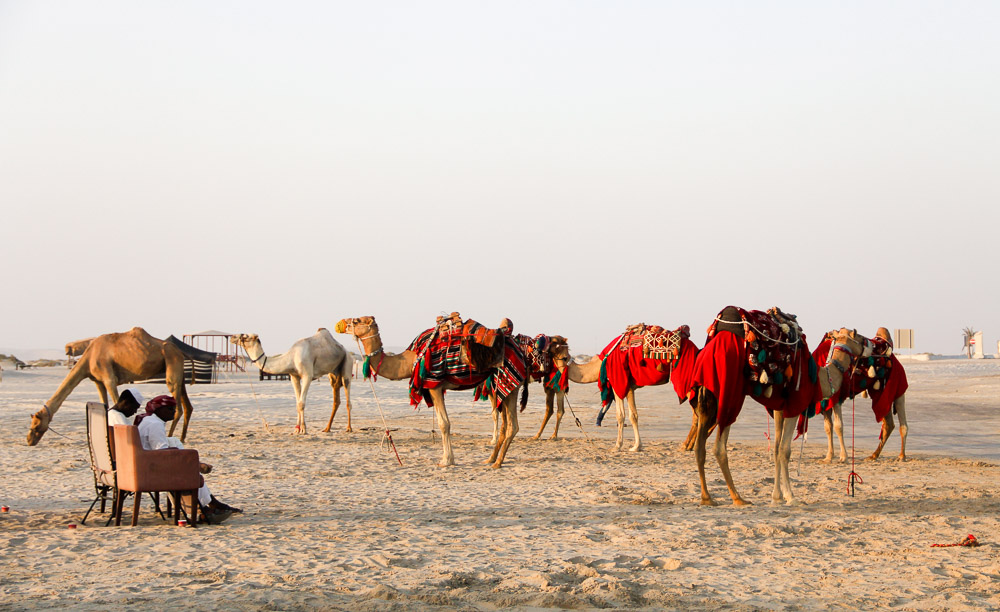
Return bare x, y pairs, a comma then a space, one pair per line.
119, 501
135, 511
194, 508
155, 496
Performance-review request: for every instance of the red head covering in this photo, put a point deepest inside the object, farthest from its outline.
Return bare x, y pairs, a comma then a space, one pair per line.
155, 404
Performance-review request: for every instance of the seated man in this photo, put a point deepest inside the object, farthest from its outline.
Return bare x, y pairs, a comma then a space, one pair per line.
122, 412
153, 434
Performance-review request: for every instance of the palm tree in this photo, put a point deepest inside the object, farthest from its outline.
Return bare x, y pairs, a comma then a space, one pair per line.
969, 333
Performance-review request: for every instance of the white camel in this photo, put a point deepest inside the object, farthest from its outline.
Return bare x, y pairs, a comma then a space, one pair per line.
308, 358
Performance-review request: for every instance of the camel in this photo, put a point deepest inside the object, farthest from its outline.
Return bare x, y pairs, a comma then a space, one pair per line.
719, 390
77, 347
555, 350
308, 358
650, 372
117, 359
400, 367
833, 421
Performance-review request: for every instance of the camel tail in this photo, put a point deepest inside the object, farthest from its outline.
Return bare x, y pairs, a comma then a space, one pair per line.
524, 396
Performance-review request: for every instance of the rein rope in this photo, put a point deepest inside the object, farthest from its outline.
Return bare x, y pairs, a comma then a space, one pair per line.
853, 477
386, 435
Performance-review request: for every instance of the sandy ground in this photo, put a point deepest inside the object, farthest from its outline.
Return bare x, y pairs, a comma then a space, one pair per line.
334, 522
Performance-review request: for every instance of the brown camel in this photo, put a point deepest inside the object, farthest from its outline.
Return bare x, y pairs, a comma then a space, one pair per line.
653, 372
724, 349
118, 359
557, 352
400, 367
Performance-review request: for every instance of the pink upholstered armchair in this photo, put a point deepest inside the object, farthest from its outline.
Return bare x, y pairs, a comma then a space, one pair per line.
140, 470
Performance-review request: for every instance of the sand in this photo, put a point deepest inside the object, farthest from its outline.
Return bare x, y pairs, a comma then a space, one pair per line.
331, 521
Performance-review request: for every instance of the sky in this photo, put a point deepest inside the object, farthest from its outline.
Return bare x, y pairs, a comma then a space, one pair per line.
575, 166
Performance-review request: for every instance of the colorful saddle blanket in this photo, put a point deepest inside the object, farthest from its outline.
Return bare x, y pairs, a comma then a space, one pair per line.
465, 354
645, 355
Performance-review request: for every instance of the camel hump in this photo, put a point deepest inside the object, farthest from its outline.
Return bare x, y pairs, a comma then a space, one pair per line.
322, 329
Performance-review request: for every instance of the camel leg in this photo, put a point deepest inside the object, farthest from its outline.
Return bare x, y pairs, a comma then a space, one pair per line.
722, 456
495, 413
447, 456
828, 428
548, 415
707, 413
297, 386
499, 429
300, 405
620, 405
887, 426
900, 406
560, 410
336, 382
786, 433
184, 407
510, 410
838, 428
104, 393
633, 417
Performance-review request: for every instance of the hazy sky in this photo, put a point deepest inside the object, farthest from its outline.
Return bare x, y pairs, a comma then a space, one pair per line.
272, 167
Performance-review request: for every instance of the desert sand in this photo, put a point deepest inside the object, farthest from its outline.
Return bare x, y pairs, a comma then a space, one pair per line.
332, 521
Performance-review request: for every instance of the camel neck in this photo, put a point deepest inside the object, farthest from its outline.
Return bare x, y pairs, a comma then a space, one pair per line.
269, 364
584, 373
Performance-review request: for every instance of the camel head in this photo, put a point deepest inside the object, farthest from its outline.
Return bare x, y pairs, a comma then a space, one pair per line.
39, 425
852, 343
244, 339
360, 327
883, 333
559, 351
77, 347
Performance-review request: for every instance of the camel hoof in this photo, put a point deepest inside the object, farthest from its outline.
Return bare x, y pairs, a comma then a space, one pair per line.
873, 458
826, 460
349, 430
741, 502
327, 430
793, 502
534, 438
496, 466
635, 449
708, 502
553, 437
902, 457
445, 465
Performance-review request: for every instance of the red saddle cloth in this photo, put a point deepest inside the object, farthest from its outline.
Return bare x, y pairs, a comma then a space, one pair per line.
719, 367
647, 356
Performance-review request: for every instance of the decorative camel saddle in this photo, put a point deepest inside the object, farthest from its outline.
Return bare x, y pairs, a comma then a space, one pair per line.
466, 354
772, 341
644, 354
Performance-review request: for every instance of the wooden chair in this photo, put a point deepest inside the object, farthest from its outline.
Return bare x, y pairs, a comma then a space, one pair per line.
138, 470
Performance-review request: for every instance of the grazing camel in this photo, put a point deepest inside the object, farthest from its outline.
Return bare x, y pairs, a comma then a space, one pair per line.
117, 359
644, 356
308, 358
737, 338
401, 367
888, 394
